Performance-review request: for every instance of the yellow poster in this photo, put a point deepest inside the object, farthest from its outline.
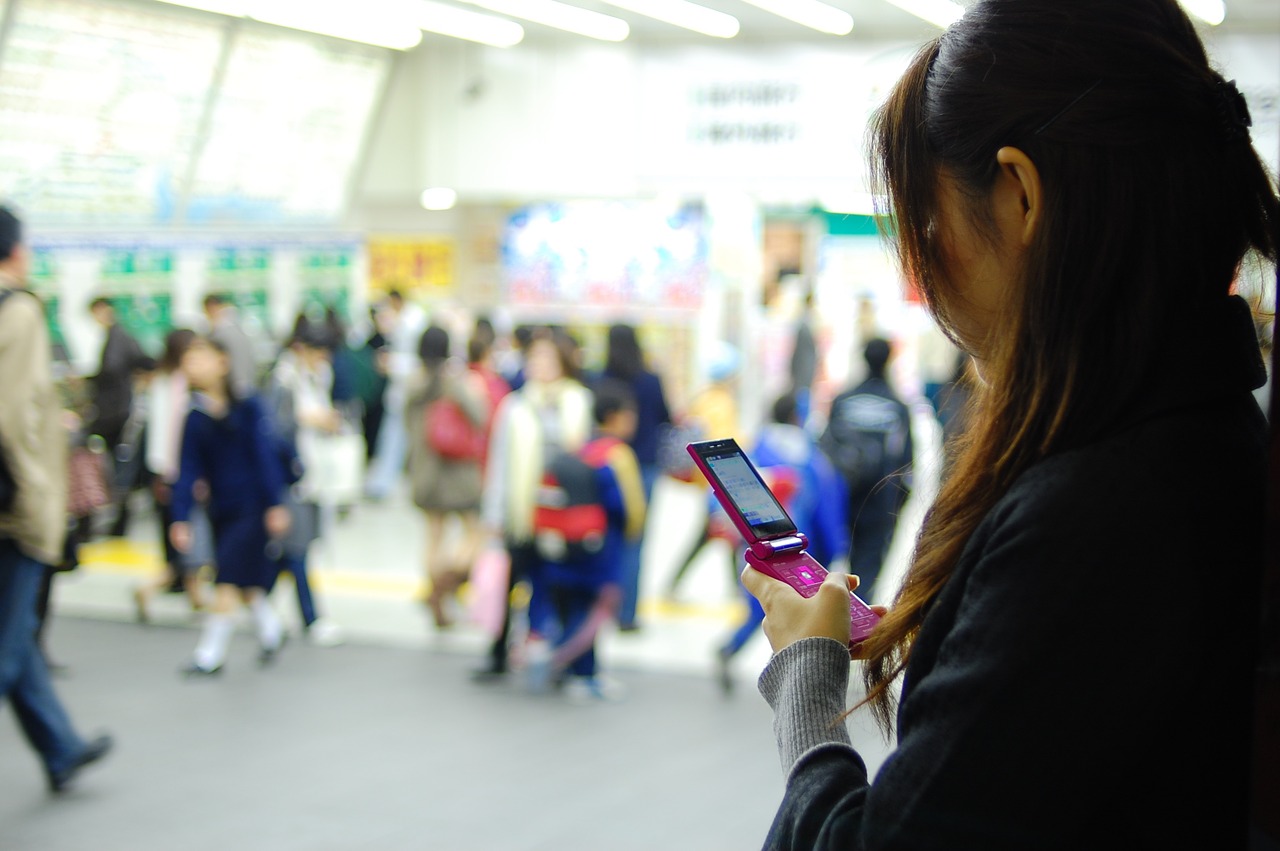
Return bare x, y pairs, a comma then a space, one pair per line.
410, 263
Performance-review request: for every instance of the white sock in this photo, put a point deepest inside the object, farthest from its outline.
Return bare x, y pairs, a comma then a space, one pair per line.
268, 623
211, 651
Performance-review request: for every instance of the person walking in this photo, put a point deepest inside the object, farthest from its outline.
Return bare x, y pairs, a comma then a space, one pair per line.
231, 445
550, 412
115, 419
168, 401
626, 362
813, 494
868, 438
227, 332
1049, 166
33, 516
300, 401
445, 480
404, 322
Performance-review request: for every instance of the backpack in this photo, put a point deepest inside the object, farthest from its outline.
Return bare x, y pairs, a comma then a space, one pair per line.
569, 520
859, 439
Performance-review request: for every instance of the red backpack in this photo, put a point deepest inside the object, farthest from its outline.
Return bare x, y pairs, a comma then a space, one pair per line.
569, 520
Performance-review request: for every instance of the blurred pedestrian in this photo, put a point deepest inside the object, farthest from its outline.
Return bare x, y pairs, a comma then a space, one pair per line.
585, 592
551, 411
713, 415
626, 362
168, 401
444, 483
403, 324
33, 515
868, 439
116, 419
229, 443
228, 333
299, 400
480, 362
813, 494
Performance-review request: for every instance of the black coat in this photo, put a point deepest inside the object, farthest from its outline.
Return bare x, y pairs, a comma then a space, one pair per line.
1084, 678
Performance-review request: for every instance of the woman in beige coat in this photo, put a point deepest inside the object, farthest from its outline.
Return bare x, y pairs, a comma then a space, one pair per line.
445, 487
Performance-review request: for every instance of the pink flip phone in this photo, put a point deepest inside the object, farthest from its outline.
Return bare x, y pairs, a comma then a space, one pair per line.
774, 545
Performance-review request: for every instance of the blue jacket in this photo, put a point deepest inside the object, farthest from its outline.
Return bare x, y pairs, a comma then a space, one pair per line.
820, 505
238, 455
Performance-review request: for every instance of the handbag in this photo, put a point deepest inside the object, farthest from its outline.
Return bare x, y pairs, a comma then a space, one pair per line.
333, 467
488, 589
450, 432
87, 489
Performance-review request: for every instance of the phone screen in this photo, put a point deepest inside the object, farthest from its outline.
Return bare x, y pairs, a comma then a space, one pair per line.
740, 481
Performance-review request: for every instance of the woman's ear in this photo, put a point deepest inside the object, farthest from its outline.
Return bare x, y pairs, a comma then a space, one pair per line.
1019, 194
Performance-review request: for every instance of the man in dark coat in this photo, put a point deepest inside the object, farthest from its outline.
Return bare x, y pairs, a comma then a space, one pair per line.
868, 438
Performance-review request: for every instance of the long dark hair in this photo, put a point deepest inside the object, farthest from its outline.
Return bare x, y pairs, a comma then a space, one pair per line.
1151, 198
625, 359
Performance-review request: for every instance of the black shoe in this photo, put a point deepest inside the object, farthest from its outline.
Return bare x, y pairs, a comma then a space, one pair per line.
489, 673
195, 670
723, 675
94, 751
267, 655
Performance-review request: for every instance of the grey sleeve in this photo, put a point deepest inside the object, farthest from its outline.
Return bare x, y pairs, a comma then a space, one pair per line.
806, 684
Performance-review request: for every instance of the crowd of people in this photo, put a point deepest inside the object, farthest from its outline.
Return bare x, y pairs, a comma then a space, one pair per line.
1038, 666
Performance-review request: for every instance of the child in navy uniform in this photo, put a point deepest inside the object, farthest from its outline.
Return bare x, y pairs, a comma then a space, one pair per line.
584, 594
229, 444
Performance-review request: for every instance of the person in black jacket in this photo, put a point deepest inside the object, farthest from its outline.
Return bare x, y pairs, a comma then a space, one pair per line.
868, 438
112, 395
1064, 681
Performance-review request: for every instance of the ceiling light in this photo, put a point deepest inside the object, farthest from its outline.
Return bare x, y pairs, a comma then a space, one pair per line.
339, 19
562, 16
942, 13
682, 13
438, 198
1210, 11
810, 13
459, 23
234, 8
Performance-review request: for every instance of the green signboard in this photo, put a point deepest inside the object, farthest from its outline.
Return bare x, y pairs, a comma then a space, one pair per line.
139, 284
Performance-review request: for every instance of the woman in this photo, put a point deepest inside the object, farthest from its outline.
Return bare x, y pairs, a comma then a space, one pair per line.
168, 401
230, 444
444, 487
551, 411
300, 400
1074, 190
625, 361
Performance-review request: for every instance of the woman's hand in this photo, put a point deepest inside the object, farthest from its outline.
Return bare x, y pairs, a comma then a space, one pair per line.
790, 617
277, 520
180, 536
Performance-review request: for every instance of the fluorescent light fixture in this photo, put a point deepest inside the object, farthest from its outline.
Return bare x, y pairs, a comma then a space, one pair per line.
339, 19
1212, 12
234, 8
438, 198
942, 13
460, 23
682, 13
810, 13
562, 16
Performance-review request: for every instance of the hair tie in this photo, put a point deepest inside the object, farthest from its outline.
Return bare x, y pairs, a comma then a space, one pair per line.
1234, 120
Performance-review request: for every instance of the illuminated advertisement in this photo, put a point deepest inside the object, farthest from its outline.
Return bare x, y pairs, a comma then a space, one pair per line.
605, 254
